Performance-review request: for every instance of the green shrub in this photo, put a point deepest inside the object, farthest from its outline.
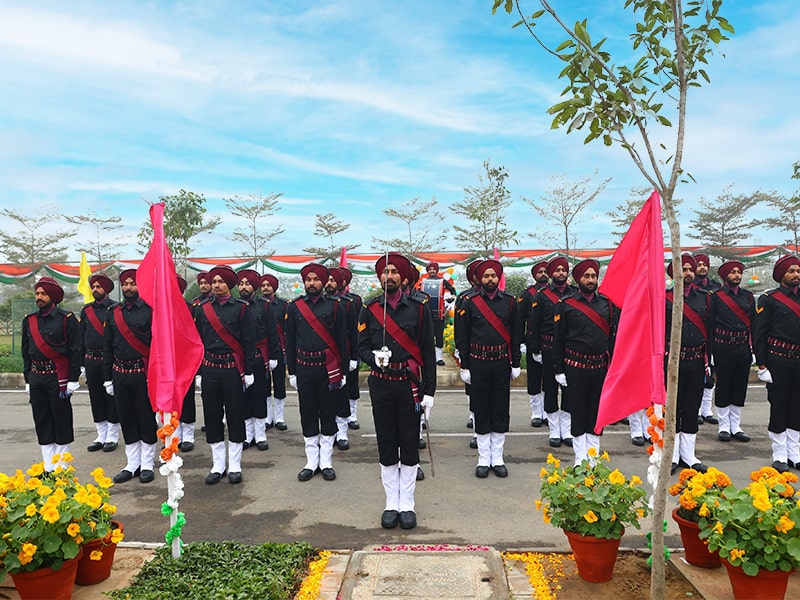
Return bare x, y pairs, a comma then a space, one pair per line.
11, 364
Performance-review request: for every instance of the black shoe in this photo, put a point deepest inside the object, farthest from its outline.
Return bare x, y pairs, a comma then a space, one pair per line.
353, 424
202, 428
305, 474
268, 426
700, 420
481, 471
440, 363
110, 446
673, 469
262, 445
711, 419
470, 424
568, 442
389, 519
741, 436
214, 477
343, 444
281, 426
780, 466
536, 422
408, 519
124, 476
500, 470
473, 443
95, 446
424, 425
699, 467
420, 474
637, 440
724, 436
422, 444
328, 474
555, 442
187, 446
146, 476
793, 465
245, 445
235, 477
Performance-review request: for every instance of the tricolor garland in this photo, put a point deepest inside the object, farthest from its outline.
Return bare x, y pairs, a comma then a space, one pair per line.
169, 469
656, 451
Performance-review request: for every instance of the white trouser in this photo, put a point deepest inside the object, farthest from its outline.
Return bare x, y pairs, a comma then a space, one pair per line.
101, 431
688, 442
705, 405
484, 449
554, 425
312, 452
249, 429
593, 441
780, 446
676, 451
326, 451
497, 442
279, 405
187, 432
735, 418
724, 416
390, 477
260, 429
638, 423
408, 483
354, 409
537, 405
341, 428
112, 433
270, 411
235, 457
580, 448
218, 457
793, 445
148, 456
133, 454
564, 424
439, 353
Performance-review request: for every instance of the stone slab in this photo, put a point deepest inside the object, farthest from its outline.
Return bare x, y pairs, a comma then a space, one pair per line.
477, 575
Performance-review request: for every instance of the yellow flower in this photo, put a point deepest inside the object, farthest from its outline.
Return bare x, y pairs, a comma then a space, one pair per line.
718, 527
703, 512
73, 529
36, 469
636, 480
605, 456
762, 503
96, 555
591, 517
784, 524
50, 514
592, 452
117, 536
34, 483
616, 477
588, 481
30, 510
736, 554
538, 504
554, 477
44, 490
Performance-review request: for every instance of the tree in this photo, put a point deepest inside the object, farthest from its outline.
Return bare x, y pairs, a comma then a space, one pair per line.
35, 243
329, 226
254, 208
423, 226
484, 207
99, 251
721, 225
623, 214
624, 104
787, 210
183, 220
562, 206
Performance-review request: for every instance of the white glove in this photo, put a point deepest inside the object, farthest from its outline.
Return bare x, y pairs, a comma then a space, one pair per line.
466, 376
515, 372
353, 365
248, 380
764, 375
537, 358
561, 379
273, 364
752, 359
523, 348
198, 382
72, 387
427, 405
293, 381
343, 382
109, 385
27, 388
712, 360
83, 373
382, 357
456, 355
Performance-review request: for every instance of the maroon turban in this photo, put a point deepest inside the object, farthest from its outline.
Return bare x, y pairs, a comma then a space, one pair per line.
685, 258
253, 278
484, 265
554, 263
413, 274
337, 275
583, 266
728, 266
782, 265
320, 270
433, 265
704, 257
537, 266
400, 262
225, 273
203, 275
127, 274
348, 275
182, 285
51, 288
104, 282
273, 281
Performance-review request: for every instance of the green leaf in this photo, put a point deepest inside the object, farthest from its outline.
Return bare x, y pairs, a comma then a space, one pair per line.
715, 35
750, 568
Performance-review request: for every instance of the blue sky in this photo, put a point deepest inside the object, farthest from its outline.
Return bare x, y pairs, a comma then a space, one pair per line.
350, 107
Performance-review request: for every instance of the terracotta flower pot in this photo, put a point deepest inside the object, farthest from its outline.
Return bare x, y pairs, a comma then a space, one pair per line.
766, 585
94, 571
595, 557
47, 583
697, 552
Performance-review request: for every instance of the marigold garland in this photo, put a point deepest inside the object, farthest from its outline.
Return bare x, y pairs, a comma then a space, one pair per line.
309, 589
543, 570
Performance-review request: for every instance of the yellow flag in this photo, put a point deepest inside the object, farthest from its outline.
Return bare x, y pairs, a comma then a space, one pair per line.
83, 281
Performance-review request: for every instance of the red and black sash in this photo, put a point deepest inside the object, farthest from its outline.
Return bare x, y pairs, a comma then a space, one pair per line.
406, 343
333, 362
594, 316
95, 322
130, 337
735, 308
226, 336
61, 361
691, 314
494, 321
786, 301
551, 295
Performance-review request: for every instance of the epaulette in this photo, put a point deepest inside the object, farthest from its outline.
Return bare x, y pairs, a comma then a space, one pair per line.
421, 298
372, 300
245, 302
65, 313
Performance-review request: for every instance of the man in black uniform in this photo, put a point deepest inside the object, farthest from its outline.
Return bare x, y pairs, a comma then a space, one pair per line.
474, 288
276, 378
188, 410
734, 328
777, 348
534, 368
126, 350
93, 322
432, 271
396, 340
204, 285
704, 282
585, 328
540, 345
51, 356
490, 355
695, 352
226, 329
267, 351
316, 359
352, 382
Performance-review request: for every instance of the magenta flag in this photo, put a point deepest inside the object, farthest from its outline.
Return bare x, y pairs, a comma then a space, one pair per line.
501, 285
176, 349
343, 257
634, 281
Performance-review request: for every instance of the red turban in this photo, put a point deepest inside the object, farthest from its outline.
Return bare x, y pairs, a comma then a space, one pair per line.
728, 266
104, 282
273, 281
685, 258
51, 288
253, 278
432, 265
127, 274
702, 257
583, 266
400, 262
537, 266
348, 275
782, 265
471, 269
202, 275
554, 263
337, 275
182, 285
320, 270
486, 265
225, 273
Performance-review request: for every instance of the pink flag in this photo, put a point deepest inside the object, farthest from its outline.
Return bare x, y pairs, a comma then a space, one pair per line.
343, 257
176, 349
501, 285
634, 281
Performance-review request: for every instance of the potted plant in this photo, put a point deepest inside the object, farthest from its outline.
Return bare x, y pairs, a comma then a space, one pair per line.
698, 494
755, 530
45, 518
592, 504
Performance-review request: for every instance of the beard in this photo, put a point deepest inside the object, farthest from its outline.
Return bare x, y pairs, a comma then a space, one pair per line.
131, 296
313, 291
245, 295
587, 289
490, 286
99, 295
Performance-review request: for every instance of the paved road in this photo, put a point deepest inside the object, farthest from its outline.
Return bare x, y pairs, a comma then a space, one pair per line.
455, 507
